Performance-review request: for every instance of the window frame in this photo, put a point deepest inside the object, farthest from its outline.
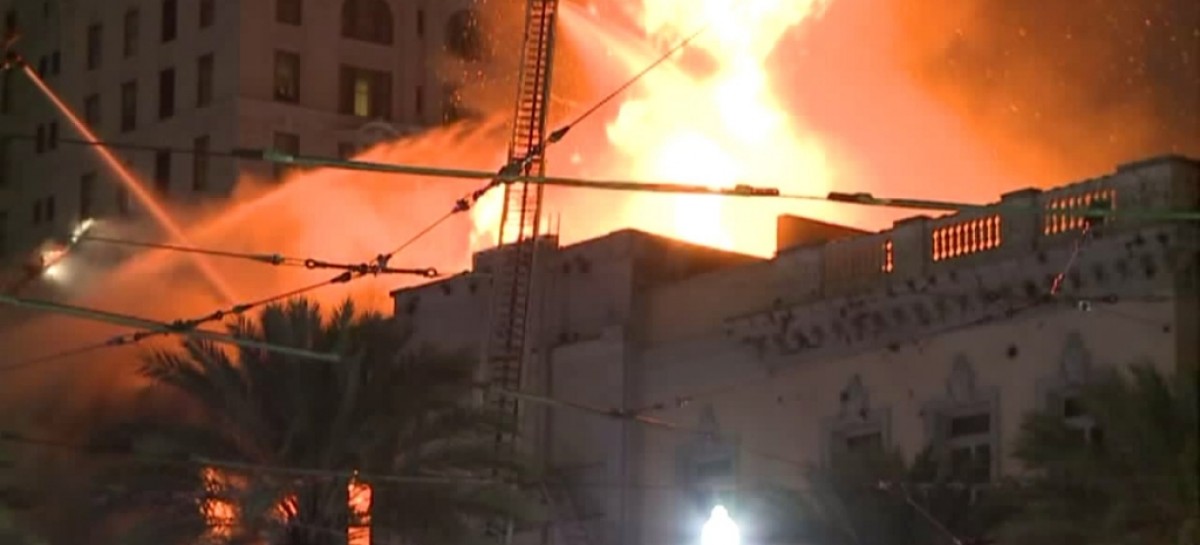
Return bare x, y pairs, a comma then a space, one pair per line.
129, 106
205, 75
291, 92
94, 46
289, 12
162, 172
131, 32
166, 93
169, 21
201, 166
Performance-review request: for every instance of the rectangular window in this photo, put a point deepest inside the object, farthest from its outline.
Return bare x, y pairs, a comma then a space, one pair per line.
10, 22
969, 445
39, 142
52, 135
166, 93
287, 76
162, 171
286, 143
129, 100
42, 66
170, 18
91, 110
207, 13
419, 102
365, 93
420, 23
129, 44
200, 149
204, 80
95, 36
87, 195
289, 12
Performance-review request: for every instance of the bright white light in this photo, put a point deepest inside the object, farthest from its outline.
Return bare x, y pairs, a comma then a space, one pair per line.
82, 229
54, 272
720, 529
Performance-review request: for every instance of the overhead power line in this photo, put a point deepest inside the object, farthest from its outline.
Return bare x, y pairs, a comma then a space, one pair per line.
512, 175
270, 259
349, 273
152, 327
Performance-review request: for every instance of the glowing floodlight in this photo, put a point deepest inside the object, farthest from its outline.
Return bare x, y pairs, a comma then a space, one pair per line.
81, 230
720, 529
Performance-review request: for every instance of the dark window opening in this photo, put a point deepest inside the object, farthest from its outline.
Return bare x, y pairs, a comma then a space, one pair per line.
976, 424
207, 13
162, 171
39, 142
200, 147
91, 110
10, 23
129, 99
287, 76
1072, 407
170, 19
87, 195
41, 66
52, 135
463, 36
367, 20
419, 101
289, 12
287, 143
204, 80
130, 39
420, 23
166, 93
95, 36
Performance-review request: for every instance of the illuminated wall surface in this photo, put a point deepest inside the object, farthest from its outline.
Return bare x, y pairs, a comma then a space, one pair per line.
938, 329
252, 76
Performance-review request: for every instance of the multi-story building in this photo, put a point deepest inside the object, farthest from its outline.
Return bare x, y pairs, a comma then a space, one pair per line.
309, 76
937, 333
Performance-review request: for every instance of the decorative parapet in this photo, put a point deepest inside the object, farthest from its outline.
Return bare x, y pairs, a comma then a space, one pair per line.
926, 276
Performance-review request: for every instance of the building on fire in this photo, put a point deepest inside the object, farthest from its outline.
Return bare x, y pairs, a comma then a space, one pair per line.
315, 77
940, 331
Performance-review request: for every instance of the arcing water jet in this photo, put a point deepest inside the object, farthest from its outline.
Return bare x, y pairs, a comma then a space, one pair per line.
139, 191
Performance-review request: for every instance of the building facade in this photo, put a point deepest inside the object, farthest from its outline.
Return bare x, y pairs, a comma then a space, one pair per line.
308, 76
940, 333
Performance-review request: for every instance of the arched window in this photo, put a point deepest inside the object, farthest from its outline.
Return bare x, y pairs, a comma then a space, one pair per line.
367, 20
463, 36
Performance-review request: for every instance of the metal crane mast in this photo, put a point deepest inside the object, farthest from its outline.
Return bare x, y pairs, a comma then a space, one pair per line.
520, 219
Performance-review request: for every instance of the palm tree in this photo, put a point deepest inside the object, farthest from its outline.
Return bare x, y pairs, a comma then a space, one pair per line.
1136, 482
282, 436
877, 498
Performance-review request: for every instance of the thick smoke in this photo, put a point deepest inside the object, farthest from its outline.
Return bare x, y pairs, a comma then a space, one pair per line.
1064, 88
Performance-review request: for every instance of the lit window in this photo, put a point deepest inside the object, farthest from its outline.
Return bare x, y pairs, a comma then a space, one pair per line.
362, 96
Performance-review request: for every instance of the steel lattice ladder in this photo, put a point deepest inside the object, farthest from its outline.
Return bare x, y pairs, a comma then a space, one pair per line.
520, 223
